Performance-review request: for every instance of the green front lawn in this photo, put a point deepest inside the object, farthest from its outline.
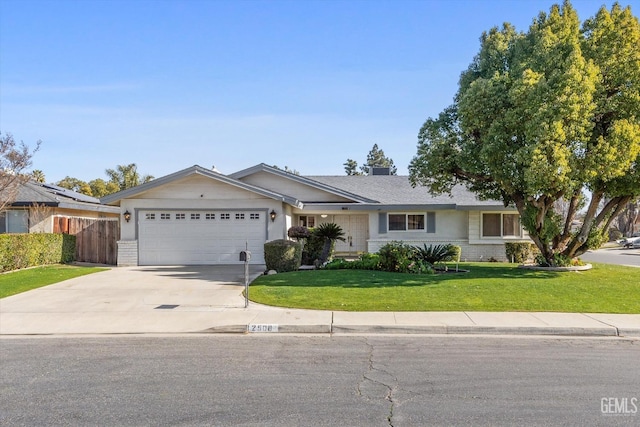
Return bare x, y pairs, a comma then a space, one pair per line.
25, 280
487, 287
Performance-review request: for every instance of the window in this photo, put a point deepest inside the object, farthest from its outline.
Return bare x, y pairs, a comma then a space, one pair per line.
150, 216
500, 225
397, 222
165, 216
239, 216
254, 216
180, 216
195, 216
210, 216
225, 216
410, 222
308, 221
14, 221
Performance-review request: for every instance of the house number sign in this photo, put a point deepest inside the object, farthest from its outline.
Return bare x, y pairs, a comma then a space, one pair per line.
262, 327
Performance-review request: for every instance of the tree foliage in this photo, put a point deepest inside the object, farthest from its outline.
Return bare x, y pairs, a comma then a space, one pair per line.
376, 157
120, 178
541, 116
14, 160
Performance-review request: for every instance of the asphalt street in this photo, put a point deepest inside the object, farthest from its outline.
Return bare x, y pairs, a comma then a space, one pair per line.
614, 255
272, 380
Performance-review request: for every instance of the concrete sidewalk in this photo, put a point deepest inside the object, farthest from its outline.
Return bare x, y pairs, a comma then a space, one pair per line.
256, 318
171, 300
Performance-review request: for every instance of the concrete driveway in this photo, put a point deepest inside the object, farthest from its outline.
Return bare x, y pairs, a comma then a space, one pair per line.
129, 299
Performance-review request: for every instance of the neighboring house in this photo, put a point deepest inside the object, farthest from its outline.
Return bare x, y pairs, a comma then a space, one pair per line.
200, 216
38, 207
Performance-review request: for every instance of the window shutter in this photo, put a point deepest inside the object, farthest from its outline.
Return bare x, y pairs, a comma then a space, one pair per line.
382, 223
431, 222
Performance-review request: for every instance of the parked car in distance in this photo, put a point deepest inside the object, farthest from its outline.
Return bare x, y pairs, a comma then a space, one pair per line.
630, 242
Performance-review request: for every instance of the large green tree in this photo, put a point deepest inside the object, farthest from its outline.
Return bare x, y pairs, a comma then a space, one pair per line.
547, 115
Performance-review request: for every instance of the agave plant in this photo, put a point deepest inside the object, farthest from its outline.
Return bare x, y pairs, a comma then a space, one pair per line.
330, 232
436, 253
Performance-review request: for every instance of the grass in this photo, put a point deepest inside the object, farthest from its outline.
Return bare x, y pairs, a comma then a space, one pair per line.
24, 280
487, 287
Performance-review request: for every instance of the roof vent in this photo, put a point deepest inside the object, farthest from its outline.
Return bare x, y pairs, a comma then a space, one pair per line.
379, 170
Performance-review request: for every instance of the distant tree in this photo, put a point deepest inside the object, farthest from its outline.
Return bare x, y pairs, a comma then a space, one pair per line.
351, 167
38, 176
543, 116
375, 157
75, 184
14, 159
100, 187
127, 176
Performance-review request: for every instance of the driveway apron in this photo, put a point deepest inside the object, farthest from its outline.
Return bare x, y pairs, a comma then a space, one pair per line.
129, 299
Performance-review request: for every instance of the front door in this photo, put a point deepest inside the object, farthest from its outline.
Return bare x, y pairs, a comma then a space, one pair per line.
356, 233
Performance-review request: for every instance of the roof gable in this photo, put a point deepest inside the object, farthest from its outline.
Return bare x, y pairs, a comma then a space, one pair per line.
156, 184
303, 188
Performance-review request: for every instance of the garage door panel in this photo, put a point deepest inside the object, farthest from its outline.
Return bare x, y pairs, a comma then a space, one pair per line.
203, 237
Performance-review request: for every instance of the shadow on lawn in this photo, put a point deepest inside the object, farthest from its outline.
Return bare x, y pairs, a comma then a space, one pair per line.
372, 278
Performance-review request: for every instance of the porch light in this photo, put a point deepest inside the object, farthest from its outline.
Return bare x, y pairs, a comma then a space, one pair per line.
272, 215
323, 215
127, 215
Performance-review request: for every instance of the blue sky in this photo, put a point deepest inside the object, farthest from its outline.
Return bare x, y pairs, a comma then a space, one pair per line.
167, 84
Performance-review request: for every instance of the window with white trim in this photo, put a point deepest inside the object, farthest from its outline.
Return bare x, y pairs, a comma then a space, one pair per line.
150, 216
254, 216
239, 216
412, 222
209, 216
195, 216
165, 216
501, 225
225, 216
180, 216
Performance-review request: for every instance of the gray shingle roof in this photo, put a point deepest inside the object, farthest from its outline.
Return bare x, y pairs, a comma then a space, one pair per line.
397, 190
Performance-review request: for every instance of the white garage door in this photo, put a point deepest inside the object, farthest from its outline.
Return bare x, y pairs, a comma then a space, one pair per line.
171, 237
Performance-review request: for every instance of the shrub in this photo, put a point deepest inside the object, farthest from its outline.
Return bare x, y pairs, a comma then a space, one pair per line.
27, 250
312, 249
364, 262
437, 253
298, 232
559, 260
519, 252
282, 255
396, 257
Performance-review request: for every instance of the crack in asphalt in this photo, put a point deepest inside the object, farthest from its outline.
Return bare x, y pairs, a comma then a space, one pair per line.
376, 382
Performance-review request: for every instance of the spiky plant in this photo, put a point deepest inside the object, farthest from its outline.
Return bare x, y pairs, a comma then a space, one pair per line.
330, 232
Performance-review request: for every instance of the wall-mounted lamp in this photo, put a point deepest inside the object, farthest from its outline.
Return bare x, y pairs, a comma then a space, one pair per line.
323, 215
127, 216
272, 215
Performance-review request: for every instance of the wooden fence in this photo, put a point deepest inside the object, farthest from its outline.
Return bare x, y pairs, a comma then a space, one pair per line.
96, 239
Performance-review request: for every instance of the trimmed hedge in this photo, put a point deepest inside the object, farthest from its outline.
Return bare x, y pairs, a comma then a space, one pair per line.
283, 255
520, 252
28, 250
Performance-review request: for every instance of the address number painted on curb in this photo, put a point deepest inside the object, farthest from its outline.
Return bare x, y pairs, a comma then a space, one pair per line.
260, 327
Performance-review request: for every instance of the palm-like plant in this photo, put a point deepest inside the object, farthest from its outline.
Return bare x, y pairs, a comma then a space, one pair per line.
436, 253
330, 232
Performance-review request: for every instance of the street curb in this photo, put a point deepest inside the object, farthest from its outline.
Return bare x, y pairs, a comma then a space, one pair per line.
432, 330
